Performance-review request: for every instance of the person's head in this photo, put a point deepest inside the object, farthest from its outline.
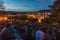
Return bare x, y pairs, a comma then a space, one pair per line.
7, 25
40, 28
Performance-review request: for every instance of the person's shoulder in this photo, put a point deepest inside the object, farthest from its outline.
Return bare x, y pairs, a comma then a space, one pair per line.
37, 31
42, 33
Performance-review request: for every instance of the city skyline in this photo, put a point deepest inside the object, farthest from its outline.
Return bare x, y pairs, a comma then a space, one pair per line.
27, 5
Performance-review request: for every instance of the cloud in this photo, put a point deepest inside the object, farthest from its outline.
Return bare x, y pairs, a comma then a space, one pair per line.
26, 5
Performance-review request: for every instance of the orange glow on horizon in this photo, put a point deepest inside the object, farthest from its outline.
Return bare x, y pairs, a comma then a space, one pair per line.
34, 16
31, 15
3, 18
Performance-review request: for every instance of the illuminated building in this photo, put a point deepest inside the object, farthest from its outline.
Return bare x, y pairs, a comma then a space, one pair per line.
40, 14
43, 14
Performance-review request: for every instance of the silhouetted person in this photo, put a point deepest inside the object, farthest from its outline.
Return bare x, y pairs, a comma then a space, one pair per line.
40, 35
10, 33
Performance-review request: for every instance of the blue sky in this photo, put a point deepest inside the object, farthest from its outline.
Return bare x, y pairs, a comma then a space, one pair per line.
27, 5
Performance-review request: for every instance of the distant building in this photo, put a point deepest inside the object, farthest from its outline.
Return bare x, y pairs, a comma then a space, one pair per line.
43, 14
40, 14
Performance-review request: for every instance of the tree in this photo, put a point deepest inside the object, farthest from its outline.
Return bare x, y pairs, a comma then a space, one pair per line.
1, 5
54, 19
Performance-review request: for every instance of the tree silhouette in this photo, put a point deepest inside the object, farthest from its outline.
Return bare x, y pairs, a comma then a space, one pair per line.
54, 19
2, 6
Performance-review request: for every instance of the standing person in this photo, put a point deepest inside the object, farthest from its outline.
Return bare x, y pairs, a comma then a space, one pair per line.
3, 34
28, 35
58, 34
39, 35
10, 33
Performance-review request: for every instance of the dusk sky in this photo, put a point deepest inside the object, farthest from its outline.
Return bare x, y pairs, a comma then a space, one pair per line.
27, 5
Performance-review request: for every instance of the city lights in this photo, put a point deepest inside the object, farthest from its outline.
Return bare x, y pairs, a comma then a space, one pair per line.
3, 18
31, 15
39, 19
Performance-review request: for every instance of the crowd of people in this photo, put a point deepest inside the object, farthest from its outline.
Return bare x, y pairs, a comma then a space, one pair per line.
23, 31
